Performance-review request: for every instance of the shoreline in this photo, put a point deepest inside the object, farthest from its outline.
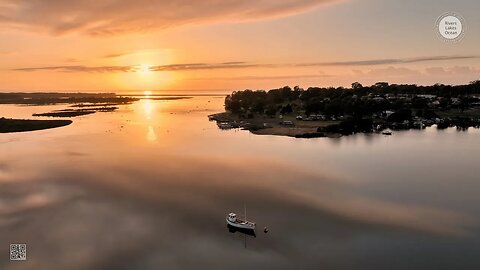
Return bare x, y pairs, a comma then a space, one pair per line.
306, 133
288, 126
274, 126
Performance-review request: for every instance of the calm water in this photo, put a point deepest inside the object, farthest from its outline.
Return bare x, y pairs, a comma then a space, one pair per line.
149, 186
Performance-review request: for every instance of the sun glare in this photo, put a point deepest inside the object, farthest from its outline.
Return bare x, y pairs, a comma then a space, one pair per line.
144, 69
147, 93
148, 107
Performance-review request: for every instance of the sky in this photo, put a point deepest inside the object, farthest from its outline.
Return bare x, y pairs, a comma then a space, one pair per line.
226, 45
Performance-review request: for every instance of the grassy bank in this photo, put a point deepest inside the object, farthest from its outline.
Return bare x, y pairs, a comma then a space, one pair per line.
21, 125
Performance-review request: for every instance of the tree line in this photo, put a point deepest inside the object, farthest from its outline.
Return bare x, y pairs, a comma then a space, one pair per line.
358, 100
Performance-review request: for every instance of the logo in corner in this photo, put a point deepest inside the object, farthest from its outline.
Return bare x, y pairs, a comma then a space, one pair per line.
450, 27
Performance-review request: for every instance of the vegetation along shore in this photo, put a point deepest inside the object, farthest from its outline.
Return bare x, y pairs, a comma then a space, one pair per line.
76, 112
333, 112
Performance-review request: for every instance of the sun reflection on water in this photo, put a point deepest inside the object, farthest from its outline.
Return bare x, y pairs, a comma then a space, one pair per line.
151, 135
148, 107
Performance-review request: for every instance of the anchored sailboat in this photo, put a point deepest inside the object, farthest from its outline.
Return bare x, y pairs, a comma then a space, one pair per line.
232, 220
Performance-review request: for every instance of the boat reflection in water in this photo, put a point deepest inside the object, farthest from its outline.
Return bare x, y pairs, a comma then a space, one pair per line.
245, 232
249, 232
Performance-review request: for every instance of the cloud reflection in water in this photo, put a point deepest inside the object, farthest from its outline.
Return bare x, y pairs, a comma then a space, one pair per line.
85, 200
154, 212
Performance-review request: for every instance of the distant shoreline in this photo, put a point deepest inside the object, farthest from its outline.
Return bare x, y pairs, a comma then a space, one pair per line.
80, 104
64, 98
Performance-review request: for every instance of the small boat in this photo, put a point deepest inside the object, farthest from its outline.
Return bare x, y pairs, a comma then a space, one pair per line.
233, 221
224, 125
387, 132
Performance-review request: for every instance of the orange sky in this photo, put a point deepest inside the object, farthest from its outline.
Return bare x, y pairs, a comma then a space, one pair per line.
229, 45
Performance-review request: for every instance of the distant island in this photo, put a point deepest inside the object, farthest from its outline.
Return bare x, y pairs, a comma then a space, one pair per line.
42, 98
20, 125
333, 112
76, 112
79, 104
86, 103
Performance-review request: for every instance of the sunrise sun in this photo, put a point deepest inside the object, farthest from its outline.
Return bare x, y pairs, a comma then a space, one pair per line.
144, 69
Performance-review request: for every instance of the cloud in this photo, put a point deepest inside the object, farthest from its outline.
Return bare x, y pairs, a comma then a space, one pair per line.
390, 61
199, 66
133, 52
101, 69
113, 17
254, 78
457, 70
71, 60
115, 55
175, 67
387, 72
436, 71
393, 71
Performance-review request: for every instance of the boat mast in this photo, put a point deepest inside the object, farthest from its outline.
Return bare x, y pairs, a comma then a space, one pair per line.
245, 207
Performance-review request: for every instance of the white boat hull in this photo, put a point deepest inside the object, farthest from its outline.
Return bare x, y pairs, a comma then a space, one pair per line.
242, 224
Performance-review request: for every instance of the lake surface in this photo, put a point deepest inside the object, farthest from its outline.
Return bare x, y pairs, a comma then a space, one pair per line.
149, 187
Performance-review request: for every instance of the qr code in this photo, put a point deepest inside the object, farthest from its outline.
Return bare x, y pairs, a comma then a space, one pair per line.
18, 252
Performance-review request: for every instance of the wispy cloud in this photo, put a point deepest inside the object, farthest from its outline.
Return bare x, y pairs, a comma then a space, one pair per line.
176, 67
126, 16
394, 72
101, 69
254, 78
391, 61
72, 60
200, 66
134, 52
457, 70
243, 65
388, 72
115, 55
